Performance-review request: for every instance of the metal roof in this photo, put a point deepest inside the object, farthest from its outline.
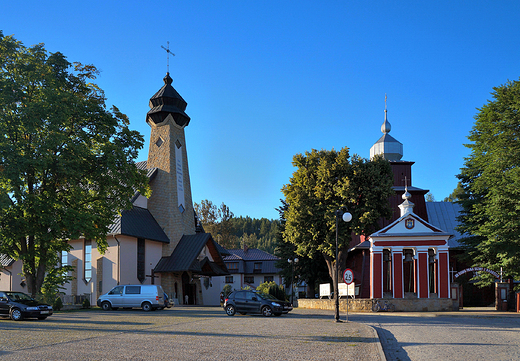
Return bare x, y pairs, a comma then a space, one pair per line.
444, 215
151, 172
6, 261
138, 222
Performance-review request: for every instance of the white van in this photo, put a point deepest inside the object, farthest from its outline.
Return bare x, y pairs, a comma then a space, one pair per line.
148, 297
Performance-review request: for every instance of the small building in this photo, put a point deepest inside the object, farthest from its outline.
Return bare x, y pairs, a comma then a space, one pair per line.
250, 267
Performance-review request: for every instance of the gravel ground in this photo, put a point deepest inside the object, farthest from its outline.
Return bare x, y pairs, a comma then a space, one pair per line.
188, 333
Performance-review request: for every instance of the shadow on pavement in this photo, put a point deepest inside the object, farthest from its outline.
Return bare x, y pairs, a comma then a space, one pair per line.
393, 351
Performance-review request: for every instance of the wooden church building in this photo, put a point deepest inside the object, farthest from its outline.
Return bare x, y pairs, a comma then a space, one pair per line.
409, 257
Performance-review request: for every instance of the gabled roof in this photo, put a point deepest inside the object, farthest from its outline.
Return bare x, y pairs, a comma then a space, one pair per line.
185, 257
138, 222
398, 229
250, 254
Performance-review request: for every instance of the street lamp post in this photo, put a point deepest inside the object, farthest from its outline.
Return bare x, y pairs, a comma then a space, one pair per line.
292, 261
347, 217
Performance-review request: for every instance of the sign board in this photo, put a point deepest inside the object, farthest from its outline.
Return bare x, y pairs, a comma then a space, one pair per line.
325, 290
348, 276
477, 269
346, 289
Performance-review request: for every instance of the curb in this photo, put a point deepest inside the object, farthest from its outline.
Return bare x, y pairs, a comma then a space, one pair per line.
382, 356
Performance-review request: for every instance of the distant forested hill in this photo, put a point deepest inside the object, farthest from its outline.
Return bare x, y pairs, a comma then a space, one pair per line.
256, 233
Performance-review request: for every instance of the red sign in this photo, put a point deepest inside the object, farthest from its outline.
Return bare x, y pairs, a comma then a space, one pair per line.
348, 276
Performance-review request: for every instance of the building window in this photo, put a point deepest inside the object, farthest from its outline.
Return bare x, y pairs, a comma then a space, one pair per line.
229, 279
140, 260
258, 267
64, 258
249, 279
268, 278
87, 257
233, 267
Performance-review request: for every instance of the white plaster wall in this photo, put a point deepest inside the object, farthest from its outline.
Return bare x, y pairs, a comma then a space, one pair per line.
10, 278
211, 295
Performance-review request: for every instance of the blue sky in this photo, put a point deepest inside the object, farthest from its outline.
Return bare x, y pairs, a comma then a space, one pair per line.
265, 80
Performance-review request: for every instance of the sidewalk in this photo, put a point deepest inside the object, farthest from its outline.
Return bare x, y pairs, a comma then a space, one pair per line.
464, 312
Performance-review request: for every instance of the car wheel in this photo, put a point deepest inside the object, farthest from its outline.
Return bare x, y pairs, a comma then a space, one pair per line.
267, 311
147, 306
16, 314
277, 314
230, 310
105, 306
42, 317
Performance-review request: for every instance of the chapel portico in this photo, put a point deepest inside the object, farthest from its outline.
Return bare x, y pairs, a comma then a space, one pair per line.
409, 258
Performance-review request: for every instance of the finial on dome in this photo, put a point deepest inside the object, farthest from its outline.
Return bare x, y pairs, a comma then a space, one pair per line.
167, 79
386, 127
406, 196
406, 207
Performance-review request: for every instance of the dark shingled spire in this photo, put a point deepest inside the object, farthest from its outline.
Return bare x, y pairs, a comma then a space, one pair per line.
167, 101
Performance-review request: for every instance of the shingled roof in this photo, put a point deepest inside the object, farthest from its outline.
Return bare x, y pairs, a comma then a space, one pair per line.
250, 254
185, 257
138, 222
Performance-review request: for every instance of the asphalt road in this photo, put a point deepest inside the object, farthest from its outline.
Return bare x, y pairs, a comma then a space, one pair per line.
187, 333
470, 334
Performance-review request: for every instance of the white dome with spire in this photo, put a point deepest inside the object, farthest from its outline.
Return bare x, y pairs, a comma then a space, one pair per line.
387, 146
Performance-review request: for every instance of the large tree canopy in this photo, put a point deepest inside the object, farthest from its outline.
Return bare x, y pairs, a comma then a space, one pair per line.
491, 182
66, 163
218, 222
323, 182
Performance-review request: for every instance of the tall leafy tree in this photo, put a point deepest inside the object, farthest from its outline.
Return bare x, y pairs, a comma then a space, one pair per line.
311, 270
323, 182
490, 179
218, 221
66, 162
455, 195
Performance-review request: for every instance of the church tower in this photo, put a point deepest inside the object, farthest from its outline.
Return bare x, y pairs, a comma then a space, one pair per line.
392, 150
171, 202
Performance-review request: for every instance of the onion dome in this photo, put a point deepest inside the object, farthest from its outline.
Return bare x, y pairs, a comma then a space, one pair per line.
387, 146
167, 102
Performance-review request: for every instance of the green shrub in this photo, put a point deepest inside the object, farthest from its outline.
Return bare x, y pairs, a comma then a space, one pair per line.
227, 290
277, 291
58, 304
85, 303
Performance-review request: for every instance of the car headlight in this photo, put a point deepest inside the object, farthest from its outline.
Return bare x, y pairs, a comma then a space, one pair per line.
32, 308
275, 304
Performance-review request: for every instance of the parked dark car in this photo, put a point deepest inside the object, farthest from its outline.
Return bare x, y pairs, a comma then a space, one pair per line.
167, 302
245, 302
19, 305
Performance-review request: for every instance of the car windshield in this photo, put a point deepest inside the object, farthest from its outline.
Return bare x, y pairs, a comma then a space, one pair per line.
18, 296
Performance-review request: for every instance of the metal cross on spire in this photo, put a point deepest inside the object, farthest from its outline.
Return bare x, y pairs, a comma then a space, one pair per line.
168, 52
